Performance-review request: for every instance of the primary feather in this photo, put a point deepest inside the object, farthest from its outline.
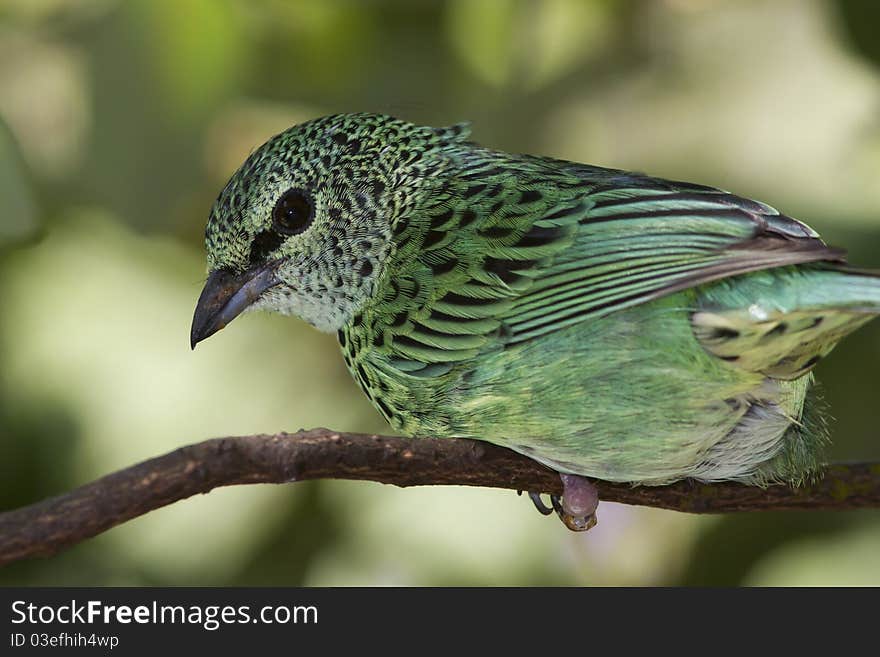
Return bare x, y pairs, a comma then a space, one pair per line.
605, 323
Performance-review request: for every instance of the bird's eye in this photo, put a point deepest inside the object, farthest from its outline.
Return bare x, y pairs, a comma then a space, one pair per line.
293, 212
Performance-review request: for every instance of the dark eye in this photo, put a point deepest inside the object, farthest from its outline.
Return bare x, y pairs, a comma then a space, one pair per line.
293, 212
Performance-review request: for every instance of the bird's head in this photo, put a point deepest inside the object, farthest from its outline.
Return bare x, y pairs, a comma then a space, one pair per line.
304, 226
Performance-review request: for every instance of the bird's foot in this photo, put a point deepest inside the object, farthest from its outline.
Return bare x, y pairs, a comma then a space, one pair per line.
576, 507
542, 508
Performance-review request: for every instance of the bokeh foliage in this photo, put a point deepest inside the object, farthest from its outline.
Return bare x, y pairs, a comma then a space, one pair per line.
121, 119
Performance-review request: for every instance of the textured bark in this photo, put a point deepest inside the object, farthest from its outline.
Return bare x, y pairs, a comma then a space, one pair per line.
44, 528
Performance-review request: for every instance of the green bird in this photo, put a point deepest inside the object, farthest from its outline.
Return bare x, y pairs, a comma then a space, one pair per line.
605, 323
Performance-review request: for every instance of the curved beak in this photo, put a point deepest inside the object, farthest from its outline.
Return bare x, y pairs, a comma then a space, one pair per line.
225, 296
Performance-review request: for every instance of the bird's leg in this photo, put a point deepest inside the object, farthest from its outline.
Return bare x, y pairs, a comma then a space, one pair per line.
576, 507
580, 498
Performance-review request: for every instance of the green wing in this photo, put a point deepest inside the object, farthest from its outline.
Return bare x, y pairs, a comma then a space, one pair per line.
642, 238
518, 248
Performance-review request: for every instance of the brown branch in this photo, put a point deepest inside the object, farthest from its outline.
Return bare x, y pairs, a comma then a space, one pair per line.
44, 528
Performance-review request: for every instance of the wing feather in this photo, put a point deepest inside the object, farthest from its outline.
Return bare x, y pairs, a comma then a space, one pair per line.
546, 244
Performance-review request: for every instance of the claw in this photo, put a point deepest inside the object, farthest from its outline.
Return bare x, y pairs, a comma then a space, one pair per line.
576, 507
579, 523
542, 508
576, 523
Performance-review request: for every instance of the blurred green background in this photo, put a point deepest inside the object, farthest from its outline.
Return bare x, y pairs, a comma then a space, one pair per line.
121, 120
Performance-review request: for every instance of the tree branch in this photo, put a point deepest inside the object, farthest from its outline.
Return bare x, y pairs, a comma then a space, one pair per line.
44, 528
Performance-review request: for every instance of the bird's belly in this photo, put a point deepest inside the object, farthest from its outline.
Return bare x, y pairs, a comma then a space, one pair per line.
629, 397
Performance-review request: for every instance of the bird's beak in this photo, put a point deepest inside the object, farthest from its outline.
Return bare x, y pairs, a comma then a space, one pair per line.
225, 296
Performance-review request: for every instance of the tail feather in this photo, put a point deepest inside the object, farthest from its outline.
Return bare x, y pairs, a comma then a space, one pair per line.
782, 322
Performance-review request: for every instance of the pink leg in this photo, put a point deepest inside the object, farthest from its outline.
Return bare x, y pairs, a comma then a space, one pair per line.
577, 506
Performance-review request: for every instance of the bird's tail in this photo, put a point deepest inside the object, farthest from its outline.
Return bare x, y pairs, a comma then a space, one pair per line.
782, 322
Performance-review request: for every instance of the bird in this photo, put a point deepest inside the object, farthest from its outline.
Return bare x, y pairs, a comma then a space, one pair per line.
605, 323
